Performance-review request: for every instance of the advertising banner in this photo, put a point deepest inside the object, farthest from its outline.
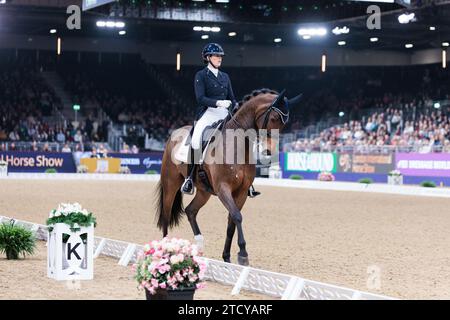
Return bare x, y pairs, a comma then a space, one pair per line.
19, 161
366, 163
309, 161
423, 164
140, 162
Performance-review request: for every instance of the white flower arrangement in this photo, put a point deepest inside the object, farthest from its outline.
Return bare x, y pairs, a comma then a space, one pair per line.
72, 214
395, 173
124, 170
82, 169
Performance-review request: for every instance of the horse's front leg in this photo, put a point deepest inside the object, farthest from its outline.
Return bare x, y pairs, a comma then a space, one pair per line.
200, 199
228, 241
228, 201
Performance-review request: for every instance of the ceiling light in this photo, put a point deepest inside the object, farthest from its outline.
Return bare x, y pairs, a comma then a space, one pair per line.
197, 28
277, 40
312, 31
110, 24
232, 34
120, 24
122, 32
445, 44
306, 37
101, 24
374, 39
52, 30
409, 45
206, 29
215, 29
432, 28
222, 1
406, 18
341, 43
338, 31
205, 36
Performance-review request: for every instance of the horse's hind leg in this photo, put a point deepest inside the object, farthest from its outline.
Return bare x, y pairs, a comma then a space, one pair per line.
200, 199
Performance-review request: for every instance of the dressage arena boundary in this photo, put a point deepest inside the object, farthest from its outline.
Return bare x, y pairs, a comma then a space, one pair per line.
277, 285
406, 190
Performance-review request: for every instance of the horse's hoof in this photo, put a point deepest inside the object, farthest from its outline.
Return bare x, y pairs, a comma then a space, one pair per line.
243, 261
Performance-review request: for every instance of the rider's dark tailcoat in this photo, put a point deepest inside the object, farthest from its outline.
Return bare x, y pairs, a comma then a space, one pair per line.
209, 89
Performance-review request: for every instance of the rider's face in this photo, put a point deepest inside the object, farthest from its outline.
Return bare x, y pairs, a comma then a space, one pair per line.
216, 60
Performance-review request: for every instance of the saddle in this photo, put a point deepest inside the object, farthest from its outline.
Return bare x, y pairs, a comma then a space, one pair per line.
208, 133
207, 138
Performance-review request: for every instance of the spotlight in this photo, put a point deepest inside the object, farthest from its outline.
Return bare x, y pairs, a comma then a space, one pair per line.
277, 40
437, 105
122, 32
409, 45
374, 39
52, 31
312, 31
337, 31
432, 28
445, 44
232, 34
406, 18
341, 114
215, 29
110, 24
342, 43
197, 28
101, 24
205, 36
120, 24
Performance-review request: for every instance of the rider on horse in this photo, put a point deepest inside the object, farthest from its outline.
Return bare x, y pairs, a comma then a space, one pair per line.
214, 96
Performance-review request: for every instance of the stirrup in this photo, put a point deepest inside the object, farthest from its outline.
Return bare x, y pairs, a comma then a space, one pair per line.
252, 192
188, 186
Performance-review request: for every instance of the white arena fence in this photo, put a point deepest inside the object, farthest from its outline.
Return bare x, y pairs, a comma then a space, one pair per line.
277, 285
406, 190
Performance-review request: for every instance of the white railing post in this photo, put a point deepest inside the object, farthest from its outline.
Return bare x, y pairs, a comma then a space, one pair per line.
126, 256
99, 248
297, 291
240, 282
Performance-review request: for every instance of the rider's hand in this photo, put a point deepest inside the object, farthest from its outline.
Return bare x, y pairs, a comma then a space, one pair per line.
223, 103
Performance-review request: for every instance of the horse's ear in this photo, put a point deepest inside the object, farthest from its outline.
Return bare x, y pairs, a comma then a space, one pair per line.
295, 100
279, 98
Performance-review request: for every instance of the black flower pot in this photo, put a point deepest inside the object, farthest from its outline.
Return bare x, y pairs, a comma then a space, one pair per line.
170, 294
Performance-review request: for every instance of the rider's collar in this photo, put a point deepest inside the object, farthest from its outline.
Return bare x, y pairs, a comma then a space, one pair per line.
213, 70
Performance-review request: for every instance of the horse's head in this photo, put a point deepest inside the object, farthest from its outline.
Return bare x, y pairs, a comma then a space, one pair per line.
271, 117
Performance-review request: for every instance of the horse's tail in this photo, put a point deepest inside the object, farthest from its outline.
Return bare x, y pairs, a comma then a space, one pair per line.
168, 220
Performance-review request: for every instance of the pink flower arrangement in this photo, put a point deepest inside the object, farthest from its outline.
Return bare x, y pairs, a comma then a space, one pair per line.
169, 264
325, 176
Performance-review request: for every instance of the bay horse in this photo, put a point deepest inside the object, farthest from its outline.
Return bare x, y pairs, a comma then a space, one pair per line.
263, 109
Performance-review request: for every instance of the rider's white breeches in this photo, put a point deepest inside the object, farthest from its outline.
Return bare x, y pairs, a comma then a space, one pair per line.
210, 116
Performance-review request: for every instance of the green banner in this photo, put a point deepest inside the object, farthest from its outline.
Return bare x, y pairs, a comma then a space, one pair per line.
310, 161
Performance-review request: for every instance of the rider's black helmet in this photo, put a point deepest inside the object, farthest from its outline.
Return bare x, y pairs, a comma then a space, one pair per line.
212, 48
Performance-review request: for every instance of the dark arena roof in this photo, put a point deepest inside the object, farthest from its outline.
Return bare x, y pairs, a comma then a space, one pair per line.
253, 21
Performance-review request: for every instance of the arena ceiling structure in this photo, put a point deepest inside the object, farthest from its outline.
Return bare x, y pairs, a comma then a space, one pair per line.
323, 23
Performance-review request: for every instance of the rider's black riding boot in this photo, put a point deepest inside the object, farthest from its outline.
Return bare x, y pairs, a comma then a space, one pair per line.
252, 192
188, 185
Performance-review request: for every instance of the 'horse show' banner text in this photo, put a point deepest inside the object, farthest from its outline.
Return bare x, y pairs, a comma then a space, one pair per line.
19, 161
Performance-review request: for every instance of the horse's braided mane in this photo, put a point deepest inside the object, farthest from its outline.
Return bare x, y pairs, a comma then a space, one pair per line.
255, 93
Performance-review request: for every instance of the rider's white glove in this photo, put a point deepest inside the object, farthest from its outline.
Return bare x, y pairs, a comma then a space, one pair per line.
223, 103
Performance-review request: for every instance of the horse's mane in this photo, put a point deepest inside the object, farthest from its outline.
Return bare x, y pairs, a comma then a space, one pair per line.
254, 94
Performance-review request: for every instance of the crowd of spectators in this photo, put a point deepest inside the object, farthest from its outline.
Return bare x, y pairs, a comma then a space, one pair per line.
126, 92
